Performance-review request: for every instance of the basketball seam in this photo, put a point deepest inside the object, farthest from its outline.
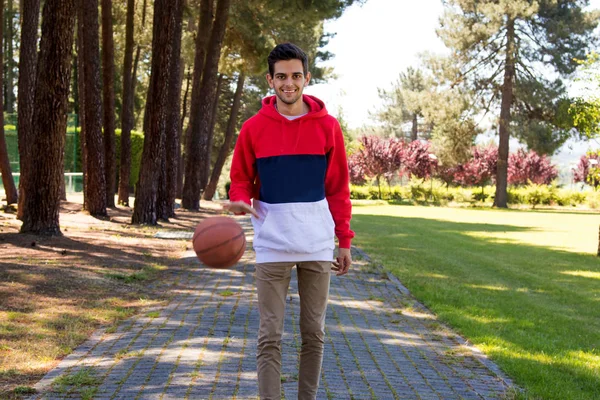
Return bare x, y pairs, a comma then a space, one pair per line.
211, 227
220, 244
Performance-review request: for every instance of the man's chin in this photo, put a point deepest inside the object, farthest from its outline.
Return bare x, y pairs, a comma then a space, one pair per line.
290, 101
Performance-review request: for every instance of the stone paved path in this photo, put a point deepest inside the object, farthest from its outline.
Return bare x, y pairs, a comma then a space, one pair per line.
380, 344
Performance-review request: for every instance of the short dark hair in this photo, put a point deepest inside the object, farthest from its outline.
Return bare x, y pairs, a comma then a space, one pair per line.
287, 51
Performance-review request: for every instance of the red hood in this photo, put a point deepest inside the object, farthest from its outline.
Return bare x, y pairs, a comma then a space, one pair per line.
317, 108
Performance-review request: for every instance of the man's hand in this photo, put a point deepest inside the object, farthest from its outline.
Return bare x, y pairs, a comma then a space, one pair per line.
238, 207
343, 262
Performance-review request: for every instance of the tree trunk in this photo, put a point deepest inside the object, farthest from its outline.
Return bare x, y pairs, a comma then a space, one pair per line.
181, 155
95, 189
211, 188
81, 115
168, 187
197, 162
137, 57
127, 109
5, 170
145, 209
30, 15
10, 63
41, 205
211, 129
415, 127
501, 197
108, 82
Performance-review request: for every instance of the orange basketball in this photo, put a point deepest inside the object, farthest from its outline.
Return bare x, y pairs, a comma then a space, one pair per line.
219, 242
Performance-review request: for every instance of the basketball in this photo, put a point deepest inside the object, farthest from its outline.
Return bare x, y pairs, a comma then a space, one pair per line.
219, 242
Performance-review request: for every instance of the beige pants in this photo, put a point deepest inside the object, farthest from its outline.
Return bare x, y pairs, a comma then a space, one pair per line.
272, 281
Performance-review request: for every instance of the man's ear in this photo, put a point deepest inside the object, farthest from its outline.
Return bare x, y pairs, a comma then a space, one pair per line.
269, 80
307, 80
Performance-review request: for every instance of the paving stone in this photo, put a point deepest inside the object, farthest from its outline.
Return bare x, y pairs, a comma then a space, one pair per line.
367, 348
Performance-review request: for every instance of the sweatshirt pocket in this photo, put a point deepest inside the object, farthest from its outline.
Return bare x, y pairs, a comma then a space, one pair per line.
296, 228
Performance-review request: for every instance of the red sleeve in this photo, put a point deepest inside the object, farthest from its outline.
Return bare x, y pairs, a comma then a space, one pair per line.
243, 169
337, 188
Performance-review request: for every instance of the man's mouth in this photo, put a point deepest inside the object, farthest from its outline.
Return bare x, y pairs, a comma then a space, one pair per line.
290, 91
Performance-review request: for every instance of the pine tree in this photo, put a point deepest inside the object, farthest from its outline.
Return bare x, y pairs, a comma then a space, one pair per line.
501, 47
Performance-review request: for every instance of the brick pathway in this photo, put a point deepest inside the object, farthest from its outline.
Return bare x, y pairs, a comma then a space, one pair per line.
380, 344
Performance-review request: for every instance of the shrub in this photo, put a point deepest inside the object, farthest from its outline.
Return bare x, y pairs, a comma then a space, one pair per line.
593, 200
137, 146
537, 194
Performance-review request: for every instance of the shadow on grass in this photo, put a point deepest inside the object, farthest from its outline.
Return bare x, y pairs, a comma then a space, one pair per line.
534, 309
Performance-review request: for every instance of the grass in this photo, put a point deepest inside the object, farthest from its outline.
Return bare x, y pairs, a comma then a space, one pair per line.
84, 381
148, 272
523, 286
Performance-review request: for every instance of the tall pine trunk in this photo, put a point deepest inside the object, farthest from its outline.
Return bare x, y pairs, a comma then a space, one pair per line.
41, 205
168, 185
145, 208
5, 170
197, 163
108, 83
202, 37
30, 15
415, 127
225, 150
81, 103
95, 188
501, 197
182, 138
127, 109
10, 63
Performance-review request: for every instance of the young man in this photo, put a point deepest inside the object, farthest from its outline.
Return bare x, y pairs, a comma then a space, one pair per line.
290, 161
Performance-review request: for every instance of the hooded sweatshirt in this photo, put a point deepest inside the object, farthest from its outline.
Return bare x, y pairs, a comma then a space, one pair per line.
295, 173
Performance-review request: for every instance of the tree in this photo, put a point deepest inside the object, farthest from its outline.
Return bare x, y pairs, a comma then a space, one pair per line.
377, 158
9, 79
165, 23
126, 110
41, 204
94, 172
500, 46
197, 163
480, 170
585, 109
450, 109
417, 160
167, 188
588, 170
108, 93
403, 105
225, 150
30, 12
529, 167
205, 22
7, 178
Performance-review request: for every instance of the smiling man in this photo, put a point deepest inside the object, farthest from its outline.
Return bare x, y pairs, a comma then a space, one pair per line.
289, 171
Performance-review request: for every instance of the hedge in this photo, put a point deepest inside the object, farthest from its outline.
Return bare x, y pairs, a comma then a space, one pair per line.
533, 195
72, 159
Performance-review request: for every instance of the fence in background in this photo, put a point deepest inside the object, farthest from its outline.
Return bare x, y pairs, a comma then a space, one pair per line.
73, 182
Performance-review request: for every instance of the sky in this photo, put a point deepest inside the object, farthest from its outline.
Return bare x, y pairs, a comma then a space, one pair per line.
376, 41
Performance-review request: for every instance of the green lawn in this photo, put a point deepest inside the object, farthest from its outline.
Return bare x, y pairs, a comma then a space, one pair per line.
523, 286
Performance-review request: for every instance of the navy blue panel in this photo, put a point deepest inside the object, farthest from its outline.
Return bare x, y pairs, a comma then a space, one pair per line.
292, 179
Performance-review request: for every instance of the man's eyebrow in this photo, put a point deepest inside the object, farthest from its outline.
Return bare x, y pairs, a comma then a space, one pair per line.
293, 73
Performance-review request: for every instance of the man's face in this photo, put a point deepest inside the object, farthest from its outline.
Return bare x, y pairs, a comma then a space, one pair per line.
288, 80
